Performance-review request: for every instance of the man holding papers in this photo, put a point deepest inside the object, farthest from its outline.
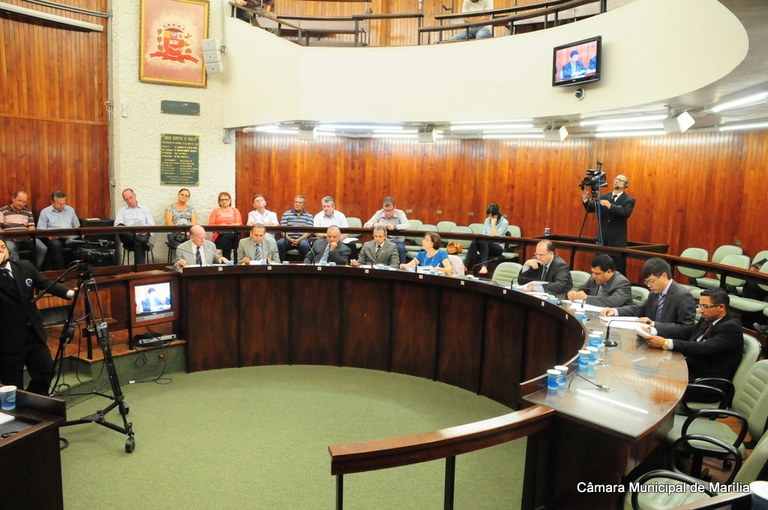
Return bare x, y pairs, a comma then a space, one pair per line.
713, 347
606, 287
546, 271
670, 308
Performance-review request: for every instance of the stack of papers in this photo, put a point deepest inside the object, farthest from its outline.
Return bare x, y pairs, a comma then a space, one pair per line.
631, 323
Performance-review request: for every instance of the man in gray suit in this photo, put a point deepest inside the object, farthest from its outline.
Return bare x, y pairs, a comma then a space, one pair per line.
197, 250
329, 249
606, 287
670, 308
257, 247
380, 251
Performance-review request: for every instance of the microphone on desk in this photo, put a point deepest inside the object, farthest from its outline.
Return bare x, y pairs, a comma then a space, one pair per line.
608, 342
601, 387
494, 259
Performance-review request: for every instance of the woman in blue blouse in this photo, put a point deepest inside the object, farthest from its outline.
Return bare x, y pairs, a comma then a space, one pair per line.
495, 225
431, 255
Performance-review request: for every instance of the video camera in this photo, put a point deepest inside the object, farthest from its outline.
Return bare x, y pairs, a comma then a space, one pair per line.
595, 179
95, 251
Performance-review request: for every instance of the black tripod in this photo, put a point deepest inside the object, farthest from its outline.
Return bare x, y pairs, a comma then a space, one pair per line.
85, 285
594, 201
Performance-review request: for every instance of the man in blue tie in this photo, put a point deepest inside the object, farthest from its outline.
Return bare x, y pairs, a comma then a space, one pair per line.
670, 308
329, 249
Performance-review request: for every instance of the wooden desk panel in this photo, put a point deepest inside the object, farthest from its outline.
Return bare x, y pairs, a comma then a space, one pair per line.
473, 335
366, 328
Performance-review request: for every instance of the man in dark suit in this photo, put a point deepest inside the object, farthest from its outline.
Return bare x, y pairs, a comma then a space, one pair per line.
670, 308
380, 251
606, 287
329, 249
713, 347
546, 266
615, 209
23, 341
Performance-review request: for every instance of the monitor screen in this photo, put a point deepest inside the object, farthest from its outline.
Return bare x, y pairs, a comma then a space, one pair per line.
153, 301
577, 62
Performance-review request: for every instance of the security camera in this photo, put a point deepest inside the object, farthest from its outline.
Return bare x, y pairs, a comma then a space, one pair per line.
580, 93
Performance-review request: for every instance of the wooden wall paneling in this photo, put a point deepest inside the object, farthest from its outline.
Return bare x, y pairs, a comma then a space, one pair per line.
263, 324
366, 326
212, 343
541, 349
315, 329
415, 318
502, 351
460, 339
700, 189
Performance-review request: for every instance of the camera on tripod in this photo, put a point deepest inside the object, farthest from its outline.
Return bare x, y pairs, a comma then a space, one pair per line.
95, 251
595, 179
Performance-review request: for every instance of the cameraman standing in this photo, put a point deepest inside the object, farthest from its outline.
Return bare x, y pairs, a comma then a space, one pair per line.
615, 209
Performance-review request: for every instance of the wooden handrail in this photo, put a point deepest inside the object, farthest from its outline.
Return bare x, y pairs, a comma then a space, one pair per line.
438, 444
501, 11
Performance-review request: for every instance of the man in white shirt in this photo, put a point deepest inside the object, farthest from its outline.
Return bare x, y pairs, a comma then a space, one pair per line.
261, 215
475, 32
391, 219
133, 215
330, 217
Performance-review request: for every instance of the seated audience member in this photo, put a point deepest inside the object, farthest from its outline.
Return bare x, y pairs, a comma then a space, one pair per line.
180, 213
225, 214
713, 347
58, 215
257, 247
495, 225
475, 32
606, 286
261, 215
380, 251
545, 266
392, 219
432, 255
134, 215
197, 250
330, 216
296, 217
15, 217
574, 68
329, 248
670, 308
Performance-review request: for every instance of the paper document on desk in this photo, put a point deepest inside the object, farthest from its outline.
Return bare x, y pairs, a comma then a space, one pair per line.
5, 418
615, 320
580, 305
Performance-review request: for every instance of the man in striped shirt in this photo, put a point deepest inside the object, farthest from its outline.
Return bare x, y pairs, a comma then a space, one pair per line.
296, 217
15, 217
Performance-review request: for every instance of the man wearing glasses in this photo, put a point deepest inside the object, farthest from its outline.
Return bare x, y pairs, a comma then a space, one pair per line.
670, 308
714, 345
615, 209
548, 267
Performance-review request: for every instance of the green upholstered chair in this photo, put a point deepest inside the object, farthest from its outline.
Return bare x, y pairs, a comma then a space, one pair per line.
506, 273
718, 257
639, 294
693, 274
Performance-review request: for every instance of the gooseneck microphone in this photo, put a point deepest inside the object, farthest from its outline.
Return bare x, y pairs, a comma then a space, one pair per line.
608, 341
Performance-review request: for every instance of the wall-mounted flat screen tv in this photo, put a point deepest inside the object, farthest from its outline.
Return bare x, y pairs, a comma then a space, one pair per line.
577, 62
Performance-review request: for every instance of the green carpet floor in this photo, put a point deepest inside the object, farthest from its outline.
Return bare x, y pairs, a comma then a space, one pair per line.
257, 438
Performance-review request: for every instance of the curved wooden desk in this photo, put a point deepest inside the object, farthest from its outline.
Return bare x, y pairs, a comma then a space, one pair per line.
477, 336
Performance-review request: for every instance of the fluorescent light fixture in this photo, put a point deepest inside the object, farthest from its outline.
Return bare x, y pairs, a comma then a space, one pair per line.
740, 127
411, 136
623, 120
513, 136
362, 127
490, 127
741, 103
640, 132
53, 18
629, 127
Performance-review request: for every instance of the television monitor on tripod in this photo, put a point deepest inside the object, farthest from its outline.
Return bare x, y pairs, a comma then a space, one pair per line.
153, 301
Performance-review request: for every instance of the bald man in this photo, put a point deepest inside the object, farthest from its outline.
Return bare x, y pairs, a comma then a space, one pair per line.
197, 250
